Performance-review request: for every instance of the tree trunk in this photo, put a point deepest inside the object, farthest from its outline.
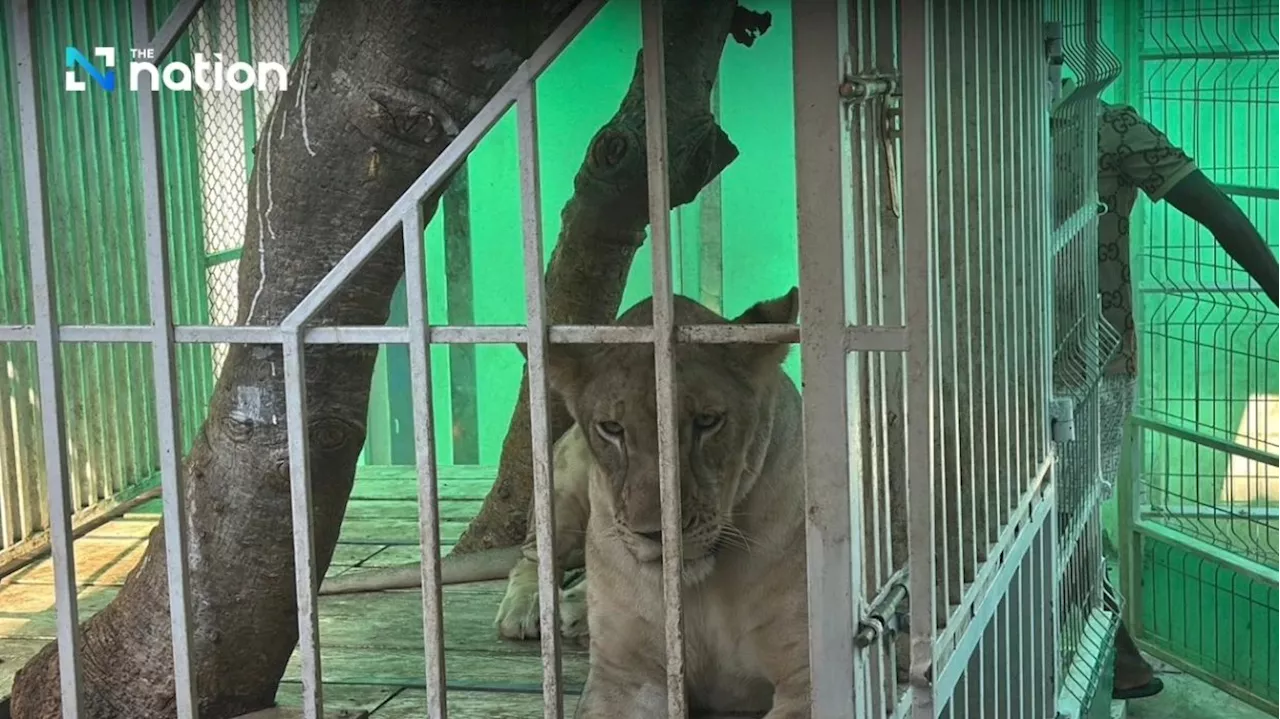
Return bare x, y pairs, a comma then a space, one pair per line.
603, 224
378, 91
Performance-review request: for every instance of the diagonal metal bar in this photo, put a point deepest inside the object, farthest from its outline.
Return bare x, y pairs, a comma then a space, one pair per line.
174, 25
433, 178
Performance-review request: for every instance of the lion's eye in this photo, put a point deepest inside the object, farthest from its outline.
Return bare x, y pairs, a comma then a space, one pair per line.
707, 421
609, 429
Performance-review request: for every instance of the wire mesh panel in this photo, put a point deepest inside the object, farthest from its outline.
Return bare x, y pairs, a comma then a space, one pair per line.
1088, 381
1200, 531
1208, 334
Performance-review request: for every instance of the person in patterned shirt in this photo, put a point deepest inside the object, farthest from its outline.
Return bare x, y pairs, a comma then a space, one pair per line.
1133, 156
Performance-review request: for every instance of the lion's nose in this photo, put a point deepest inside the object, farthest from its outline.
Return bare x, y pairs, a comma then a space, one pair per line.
655, 537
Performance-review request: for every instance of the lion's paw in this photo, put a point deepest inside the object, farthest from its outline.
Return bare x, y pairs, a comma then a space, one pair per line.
573, 613
518, 613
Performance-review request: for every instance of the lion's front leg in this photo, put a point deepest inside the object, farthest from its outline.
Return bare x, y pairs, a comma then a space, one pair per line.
518, 616
622, 695
791, 697
518, 613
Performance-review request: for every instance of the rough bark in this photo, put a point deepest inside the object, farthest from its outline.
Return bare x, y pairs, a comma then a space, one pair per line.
603, 224
377, 93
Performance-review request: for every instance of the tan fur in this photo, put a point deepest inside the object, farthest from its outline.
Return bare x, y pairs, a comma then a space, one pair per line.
518, 614
742, 482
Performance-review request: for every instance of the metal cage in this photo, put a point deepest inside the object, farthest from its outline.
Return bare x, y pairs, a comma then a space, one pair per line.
946, 307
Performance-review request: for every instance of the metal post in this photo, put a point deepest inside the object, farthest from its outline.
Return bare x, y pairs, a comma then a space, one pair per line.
304, 555
918, 241
823, 152
424, 443
49, 359
174, 25
539, 402
655, 115
164, 371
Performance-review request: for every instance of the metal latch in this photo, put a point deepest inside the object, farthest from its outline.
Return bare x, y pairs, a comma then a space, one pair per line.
1062, 419
860, 88
890, 130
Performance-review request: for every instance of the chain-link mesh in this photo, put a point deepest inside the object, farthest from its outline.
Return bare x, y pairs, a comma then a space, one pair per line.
229, 123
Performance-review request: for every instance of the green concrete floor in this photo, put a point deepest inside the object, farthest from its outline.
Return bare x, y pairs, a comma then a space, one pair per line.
1186, 697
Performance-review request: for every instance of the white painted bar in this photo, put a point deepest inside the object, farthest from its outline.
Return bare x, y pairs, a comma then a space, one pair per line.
823, 157
52, 409
655, 116
304, 555
918, 238
539, 403
424, 449
165, 378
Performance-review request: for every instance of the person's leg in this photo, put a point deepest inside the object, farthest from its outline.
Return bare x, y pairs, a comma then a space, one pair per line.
1134, 678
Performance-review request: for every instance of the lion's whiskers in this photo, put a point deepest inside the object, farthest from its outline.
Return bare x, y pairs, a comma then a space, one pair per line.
732, 536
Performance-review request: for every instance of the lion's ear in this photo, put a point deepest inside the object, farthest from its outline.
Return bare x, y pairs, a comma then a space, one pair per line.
784, 310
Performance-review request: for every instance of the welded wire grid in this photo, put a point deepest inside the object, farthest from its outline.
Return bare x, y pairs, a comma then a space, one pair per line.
1208, 336
1084, 344
1218, 620
228, 127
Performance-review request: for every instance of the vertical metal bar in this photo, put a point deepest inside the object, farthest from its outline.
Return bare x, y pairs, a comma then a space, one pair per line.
46, 332
655, 114
455, 205
424, 446
164, 374
918, 240
711, 233
304, 555
539, 402
823, 152
1127, 487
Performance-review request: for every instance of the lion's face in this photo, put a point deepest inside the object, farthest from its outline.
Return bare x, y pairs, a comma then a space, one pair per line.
724, 401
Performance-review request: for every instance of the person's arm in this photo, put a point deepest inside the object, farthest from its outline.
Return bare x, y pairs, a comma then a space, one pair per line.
1198, 198
1147, 159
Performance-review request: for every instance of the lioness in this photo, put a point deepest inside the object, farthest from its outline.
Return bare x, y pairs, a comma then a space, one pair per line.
739, 423
739, 427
